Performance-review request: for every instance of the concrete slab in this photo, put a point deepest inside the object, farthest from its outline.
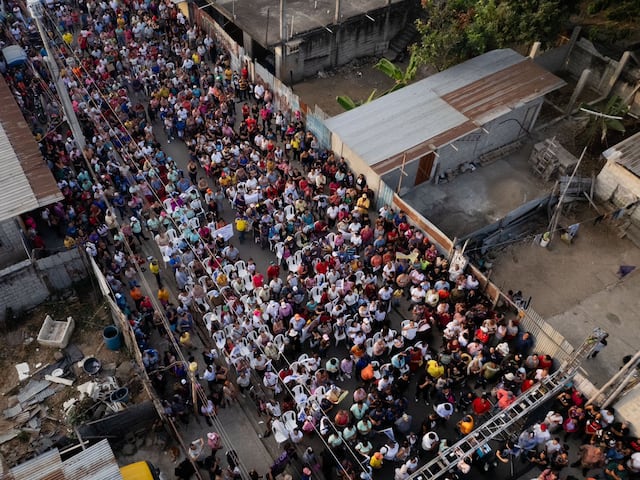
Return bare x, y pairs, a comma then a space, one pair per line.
475, 199
614, 309
300, 15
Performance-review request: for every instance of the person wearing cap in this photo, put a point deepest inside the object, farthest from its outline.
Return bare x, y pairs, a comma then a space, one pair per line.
376, 461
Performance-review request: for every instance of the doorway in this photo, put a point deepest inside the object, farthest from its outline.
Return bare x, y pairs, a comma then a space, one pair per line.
425, 168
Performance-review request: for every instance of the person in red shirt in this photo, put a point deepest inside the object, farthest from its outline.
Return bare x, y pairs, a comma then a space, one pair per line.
258, 280
481, 405
273, 271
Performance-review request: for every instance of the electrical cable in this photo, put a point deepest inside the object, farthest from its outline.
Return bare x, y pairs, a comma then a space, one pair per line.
176, 347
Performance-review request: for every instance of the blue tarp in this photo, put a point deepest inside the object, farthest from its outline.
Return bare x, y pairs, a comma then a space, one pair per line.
14, 55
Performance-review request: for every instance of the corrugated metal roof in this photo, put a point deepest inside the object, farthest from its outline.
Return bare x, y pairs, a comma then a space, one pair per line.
496, 94
626, 153
26, 182
441, 108
380, 129
47, 466
95, 463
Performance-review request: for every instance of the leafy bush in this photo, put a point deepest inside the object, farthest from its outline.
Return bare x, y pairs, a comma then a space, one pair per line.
597, 6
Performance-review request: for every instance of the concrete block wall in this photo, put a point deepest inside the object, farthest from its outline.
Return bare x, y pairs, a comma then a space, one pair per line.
553, 59
21, 288
502, 131
11, 248
25, 284
584, 55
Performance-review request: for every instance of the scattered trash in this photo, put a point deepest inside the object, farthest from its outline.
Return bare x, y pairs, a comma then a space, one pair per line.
91, 365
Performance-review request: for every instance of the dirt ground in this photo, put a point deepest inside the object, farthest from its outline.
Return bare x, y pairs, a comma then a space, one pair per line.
20, 345
560, 276
356, 79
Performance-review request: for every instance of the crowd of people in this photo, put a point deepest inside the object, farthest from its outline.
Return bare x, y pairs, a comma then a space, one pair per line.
357, 325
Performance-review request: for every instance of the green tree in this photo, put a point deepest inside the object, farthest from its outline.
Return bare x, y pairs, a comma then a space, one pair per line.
391, 70
605, 118
452, 31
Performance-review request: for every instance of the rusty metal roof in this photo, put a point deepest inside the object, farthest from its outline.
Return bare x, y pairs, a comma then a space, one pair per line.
626, 153
440, 109
95, 463
26, 182
494, 95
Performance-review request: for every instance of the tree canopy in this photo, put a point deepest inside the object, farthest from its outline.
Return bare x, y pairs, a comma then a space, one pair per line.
452, 31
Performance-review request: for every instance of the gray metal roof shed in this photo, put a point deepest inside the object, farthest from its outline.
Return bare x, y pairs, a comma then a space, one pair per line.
26, 182
97, 462
441, 108
626, 153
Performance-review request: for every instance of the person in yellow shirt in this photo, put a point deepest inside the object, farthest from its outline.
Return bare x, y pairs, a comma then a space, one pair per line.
376, 461
241, 226
163, 295
67, 37
154, 267
465, 425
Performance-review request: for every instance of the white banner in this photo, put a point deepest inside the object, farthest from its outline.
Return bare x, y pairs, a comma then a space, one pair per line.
226, 232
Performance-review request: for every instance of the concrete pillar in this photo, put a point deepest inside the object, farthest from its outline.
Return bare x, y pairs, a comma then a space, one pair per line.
247, 43
283, 22
336, 15
616, 74
281, 52
334, 45
578, 90
385, 37
572, 42
535, 48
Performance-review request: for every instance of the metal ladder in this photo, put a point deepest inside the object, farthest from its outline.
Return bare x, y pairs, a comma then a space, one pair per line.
527, 402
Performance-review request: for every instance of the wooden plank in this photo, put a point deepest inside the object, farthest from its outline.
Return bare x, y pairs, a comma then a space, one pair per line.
60, 380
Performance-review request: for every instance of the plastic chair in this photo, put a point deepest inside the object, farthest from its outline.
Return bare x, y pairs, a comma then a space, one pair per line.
368, 343
339, 334
280, 432
173, 235
316, 294
279, 250
220, 338
280, 342
299, 393
240, 265
289, 212
208, 319
253, 336
290, 420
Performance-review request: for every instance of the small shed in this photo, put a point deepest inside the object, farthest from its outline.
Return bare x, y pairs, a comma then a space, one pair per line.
14, 55
444, 121
618, 186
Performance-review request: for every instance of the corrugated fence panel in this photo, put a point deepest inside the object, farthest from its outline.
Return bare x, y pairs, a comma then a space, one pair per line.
385, 195
548, 340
